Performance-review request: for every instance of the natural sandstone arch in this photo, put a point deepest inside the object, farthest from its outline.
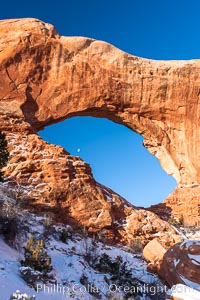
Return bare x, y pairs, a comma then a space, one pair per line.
46, 78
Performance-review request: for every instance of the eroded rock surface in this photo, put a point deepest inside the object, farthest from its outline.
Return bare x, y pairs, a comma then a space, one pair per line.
181, 264
46, 78
153, 252
54, 182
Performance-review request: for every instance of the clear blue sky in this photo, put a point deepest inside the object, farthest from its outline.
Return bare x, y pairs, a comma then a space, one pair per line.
158, 29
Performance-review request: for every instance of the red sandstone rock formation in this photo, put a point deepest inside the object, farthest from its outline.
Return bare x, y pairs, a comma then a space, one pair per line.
179, 264
52, 180
46, 78
153, 252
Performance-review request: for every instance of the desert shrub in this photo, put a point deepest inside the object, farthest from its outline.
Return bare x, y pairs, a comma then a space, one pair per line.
64, 235
19, 295
104, 264
135, 246
89, 250
3, 153
10, 229
114, 267
47, 221
11, 223
36, 257
176, 221
36, 266
118, 270
9, 220
10, 209
181, 220
91, 288
32, 277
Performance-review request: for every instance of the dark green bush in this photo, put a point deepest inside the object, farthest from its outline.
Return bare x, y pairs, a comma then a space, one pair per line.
64, 235
118, 269
3, 153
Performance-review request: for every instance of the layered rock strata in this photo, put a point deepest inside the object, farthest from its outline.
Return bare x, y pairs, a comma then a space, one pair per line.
46, 78
49, 180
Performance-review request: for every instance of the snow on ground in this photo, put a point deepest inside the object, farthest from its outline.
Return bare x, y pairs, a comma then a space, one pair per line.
70, 268
181, 291
189, 232
69, 263
195, 259
10, 280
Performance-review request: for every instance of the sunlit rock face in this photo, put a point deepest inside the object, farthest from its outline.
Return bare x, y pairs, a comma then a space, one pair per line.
46, 78
47, 179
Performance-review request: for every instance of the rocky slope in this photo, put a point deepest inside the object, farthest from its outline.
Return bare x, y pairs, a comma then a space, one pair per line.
74, 276
79, 255
46, 78
50, 180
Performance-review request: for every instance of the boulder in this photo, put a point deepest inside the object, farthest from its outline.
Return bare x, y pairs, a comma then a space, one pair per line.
154, 251
181, 264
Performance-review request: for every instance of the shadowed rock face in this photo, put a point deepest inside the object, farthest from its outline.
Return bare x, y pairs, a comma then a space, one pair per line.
46, 78
181, 264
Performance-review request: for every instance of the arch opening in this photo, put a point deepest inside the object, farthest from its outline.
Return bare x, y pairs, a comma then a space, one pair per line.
117, 157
